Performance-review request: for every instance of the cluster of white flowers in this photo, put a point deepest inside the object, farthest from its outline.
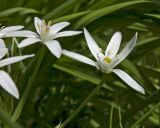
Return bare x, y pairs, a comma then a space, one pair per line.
47, 35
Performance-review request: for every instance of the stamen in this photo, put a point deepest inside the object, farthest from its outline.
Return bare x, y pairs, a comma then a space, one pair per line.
44, 22
107, 60
49, 23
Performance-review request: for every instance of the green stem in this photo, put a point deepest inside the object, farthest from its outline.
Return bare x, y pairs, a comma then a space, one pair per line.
111, 116
22, 101
120, 117
92, 94
6, 120
141, 119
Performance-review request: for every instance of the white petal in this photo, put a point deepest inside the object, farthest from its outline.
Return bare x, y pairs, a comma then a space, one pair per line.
113, 45
54, 47
59, 26
2, 44
3, 52
91, 44
28, 41
7, 84
21, 33
125, 52
3, 49
78, 57
66, 33
38, 24
11, 28
15, 59
128, 80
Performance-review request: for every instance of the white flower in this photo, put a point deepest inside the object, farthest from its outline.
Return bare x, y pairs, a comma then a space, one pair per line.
15, 31
47, 33
5, 80
106, 62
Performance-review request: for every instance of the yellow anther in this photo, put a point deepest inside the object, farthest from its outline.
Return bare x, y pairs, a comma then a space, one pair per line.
44, 22
107, 60
49, 23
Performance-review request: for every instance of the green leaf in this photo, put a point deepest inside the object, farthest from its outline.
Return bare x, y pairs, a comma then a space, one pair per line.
66, 6
144, 116
69, 17
76, 72
21, 10
104, 11
157, 16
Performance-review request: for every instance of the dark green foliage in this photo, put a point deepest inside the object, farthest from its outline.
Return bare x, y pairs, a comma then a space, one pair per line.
58, 87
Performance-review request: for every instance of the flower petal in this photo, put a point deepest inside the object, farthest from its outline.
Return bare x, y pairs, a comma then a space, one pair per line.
66, 33
3, 52
54, 47
78, 57
128, 80
125, 52
15, 59
2, 44
22, 33
91, 44
38, 23
11, 28
7, 84
113, 45
59, 26
28, 41
3, 49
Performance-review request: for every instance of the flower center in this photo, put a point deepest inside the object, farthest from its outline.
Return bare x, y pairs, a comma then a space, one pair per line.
45, 27
107, 60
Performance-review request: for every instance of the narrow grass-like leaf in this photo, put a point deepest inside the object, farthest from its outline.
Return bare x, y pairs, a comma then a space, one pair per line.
66, 6
69, 17
144, 116
21, 10
104, 11
78, 73
7, 121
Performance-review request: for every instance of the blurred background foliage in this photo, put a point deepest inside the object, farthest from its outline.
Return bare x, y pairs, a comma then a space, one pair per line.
52, 89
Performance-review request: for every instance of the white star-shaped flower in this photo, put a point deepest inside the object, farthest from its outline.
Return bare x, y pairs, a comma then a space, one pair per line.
47, 33
106, 62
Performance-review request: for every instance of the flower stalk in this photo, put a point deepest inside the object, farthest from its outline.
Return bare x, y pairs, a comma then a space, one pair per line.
91, 95
24, 97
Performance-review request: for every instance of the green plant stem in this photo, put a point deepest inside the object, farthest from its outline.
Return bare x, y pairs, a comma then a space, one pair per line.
22, 101
140, 120
92, 94
120, 118
111, 116
6, 120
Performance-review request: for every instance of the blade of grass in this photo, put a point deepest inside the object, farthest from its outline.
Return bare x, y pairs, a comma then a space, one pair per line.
120, 118
139, 106
144, 116
7, 121
104, 11
22, 10
91, 95
69, 17
22, 101
61, 9
111, 117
